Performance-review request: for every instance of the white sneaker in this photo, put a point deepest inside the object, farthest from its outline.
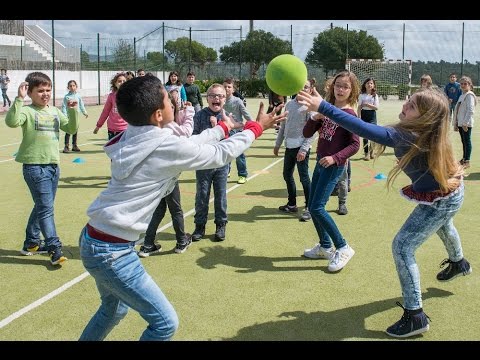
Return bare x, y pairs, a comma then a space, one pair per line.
318, 252
341, 258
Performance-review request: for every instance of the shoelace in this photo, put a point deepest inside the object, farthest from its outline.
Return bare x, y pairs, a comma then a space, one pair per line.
406, 315
445, 262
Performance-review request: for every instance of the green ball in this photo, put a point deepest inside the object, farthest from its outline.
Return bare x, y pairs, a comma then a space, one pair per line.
286, 75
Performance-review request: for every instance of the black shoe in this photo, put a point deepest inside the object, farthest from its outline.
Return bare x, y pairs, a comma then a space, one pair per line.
199, 232
454, 269
288, 208
181, 247
220, 232
34, 248
56, 256
147, 251
75, 148
413, 322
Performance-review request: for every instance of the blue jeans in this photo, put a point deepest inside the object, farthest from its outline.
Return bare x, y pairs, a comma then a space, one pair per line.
423, 222
123, 283
323, 182
42, 180
289, 162
5, 98
205, 179
466, 137
240, 161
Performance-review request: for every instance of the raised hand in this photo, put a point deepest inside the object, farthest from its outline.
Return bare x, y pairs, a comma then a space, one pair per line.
22, 90
268, 121
311, 101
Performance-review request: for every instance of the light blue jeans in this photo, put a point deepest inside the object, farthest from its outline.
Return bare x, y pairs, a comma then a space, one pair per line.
424, 221
323, 182
42, 180
123, 283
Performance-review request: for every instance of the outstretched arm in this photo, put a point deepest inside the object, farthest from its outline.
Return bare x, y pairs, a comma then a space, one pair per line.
315, 102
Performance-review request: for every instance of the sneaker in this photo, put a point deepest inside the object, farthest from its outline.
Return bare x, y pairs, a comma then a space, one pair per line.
66, 149
341, 258
366, 157
220, 232
146, 251
349, 188
241, 180
466, 164
34, 249
318, 252
57, 257
199, 232
305, 215
413, 322
288, 208
228, 174
75, 148
454, 269
342, 209
180, 248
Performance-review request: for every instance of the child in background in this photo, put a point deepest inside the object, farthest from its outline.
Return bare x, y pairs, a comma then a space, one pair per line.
129, 75
421, 142
453, 92
74, 96
182, 126
334, 147
297, 152
216, 177
4, 81
174, 80
465, 117
115, 123
39, 154
234, 106
147, 160
367, 108
192, 92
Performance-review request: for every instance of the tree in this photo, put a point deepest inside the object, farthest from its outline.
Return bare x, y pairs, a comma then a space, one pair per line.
258, 48
184, 52
123, 54
329, 48
85, 58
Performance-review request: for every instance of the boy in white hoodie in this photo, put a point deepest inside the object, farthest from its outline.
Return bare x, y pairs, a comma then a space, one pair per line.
146, 161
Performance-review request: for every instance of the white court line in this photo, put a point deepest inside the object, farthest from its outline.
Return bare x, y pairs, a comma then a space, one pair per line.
89, 143
79, 278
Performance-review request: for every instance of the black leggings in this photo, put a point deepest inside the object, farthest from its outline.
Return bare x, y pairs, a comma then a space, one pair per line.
369, 116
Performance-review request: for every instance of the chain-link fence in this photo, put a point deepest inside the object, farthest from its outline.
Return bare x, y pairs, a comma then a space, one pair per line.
435, 49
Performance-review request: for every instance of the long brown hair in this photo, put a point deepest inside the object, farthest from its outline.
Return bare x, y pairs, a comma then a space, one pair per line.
354, 93
432, 129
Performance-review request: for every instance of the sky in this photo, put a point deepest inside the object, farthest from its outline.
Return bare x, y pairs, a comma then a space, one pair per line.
424, 40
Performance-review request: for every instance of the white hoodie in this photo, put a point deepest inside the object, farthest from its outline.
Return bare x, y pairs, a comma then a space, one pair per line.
146, 163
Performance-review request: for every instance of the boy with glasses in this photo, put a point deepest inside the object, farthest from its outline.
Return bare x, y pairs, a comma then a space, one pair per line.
205, 179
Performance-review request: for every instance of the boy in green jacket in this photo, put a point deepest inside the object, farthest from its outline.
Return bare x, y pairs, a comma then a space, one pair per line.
40, 157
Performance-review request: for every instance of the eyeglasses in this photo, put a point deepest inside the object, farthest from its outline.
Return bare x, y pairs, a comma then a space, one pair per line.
213, 96
344, 87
